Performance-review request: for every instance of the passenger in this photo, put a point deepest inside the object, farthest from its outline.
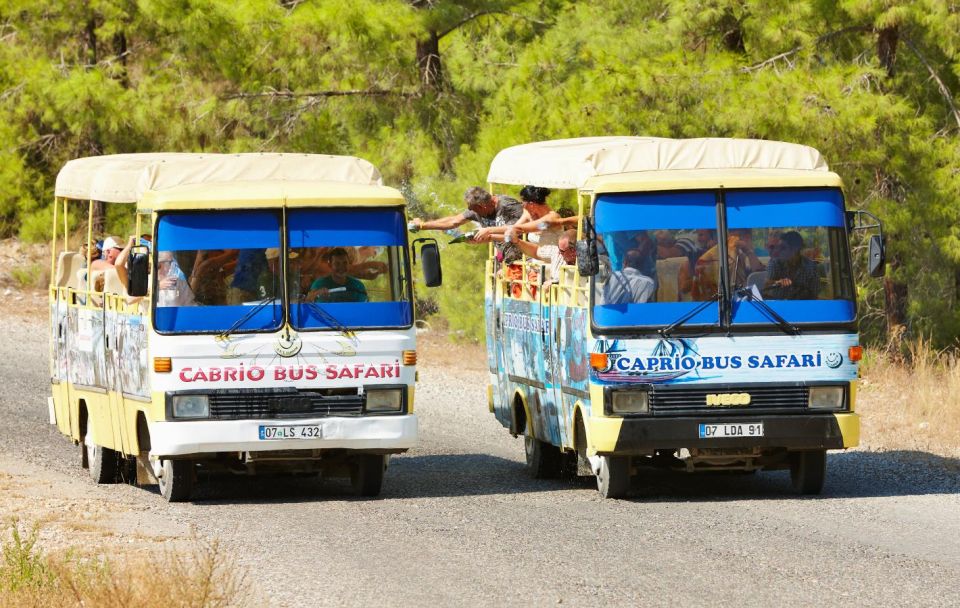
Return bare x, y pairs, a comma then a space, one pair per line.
110, 251
243, 286
339, 286
630, 285
211, 270
790, 275
270, 280
173, 287
536, 217
741, 261
564, 252
487, 210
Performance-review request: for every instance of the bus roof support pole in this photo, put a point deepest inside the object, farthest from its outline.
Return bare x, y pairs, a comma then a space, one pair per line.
53, 241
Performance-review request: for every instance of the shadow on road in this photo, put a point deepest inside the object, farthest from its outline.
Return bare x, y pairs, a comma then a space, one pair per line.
416, 476
852, 474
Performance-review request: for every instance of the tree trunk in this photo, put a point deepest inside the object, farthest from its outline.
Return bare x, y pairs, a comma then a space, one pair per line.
887, 39
429, 63
120, 50
895, 303
91, 42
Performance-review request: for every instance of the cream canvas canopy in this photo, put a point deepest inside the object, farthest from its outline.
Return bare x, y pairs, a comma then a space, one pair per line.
569, 163
123, 178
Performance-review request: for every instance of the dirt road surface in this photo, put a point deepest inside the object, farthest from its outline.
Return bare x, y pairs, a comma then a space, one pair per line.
459, 523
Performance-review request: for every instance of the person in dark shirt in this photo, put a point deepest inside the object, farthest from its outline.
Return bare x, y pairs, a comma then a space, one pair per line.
791, 276
339, 286
486, 209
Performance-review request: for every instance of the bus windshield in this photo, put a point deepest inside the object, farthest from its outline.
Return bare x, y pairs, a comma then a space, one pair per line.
349, 269
217, 272
660, 259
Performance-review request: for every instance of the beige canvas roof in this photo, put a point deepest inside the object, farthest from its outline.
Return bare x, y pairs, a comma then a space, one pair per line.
569, 163
123, 178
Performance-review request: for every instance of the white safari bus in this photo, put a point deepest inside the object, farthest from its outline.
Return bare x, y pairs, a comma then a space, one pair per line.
259, 319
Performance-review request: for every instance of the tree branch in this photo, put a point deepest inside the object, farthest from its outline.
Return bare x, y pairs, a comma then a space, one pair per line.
337, 93
465, 21
947, 96
797, 49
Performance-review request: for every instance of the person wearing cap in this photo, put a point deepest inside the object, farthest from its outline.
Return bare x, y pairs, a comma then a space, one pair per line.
111, 250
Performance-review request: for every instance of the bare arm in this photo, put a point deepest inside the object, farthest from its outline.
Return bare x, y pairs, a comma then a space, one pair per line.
443, 223
529, 249
491, 230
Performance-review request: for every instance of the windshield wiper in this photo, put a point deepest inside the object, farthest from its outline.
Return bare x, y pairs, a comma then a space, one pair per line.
786, 326
665, 332
328, 319
253, 311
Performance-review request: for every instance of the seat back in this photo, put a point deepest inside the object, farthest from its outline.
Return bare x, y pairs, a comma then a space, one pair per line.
668, 278
68, 263
757, 279
112, 282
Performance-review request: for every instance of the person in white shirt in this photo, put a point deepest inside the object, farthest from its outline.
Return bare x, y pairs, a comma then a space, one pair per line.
174, 290
630, 285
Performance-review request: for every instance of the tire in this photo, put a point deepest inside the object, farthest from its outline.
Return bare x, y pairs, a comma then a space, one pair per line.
176, 480
102, 462
808, 470
366, 474
544, 459
613, 478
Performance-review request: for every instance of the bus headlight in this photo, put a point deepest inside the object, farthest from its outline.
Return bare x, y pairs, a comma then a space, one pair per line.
191, 406
826, 397
629, 402
384, 400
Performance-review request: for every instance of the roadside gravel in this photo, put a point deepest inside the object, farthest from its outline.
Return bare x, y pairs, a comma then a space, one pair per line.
460, 524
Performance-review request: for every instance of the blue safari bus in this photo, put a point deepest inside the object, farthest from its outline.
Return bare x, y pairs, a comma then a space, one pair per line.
710, 320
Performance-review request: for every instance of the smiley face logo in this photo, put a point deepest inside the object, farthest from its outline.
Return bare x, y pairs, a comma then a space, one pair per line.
834, 360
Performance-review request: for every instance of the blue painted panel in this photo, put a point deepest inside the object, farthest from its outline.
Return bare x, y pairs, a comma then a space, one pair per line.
785, 208
653, 313
666, 210
345, 227
351, 315
221, 230
215, 318
795, 311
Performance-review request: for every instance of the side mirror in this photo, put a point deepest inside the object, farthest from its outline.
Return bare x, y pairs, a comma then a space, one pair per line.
430, 260
588, 263
138, 271
878, 259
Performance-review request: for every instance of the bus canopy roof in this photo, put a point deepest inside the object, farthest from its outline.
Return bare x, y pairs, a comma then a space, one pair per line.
124, 178
264, 194
570, 163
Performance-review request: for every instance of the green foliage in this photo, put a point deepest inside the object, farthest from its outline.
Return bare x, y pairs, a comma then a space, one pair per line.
347, 76
23, 565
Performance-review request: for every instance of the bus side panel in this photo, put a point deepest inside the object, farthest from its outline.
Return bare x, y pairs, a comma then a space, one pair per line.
526, 333
571, 372
59, 368
132, 376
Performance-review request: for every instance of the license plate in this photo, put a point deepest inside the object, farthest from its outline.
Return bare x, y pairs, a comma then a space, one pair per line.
742, 429
291, 431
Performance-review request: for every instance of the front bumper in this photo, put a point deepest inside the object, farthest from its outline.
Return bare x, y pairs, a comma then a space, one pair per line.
382, 433
638, 435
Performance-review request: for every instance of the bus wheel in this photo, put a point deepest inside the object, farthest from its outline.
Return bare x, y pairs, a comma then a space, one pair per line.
613, 478
543, 459
176, 480
102, 462
366, 474
808, 470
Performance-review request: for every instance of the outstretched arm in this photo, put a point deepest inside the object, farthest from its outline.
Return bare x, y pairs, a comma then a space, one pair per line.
443, 223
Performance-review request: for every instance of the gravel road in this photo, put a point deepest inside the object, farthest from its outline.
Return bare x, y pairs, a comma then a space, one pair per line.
459, 523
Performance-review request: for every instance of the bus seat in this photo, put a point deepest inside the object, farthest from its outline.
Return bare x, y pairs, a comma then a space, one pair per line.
826, 282
668, 278
112, 282
68, 263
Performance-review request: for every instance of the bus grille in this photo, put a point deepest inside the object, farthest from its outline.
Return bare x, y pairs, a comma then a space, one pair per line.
764, 399
283, 404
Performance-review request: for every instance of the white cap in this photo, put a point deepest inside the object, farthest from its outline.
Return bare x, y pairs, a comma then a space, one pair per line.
111, 243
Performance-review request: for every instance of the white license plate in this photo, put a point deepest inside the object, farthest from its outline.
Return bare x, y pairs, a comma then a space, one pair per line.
291, 431
742, 429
